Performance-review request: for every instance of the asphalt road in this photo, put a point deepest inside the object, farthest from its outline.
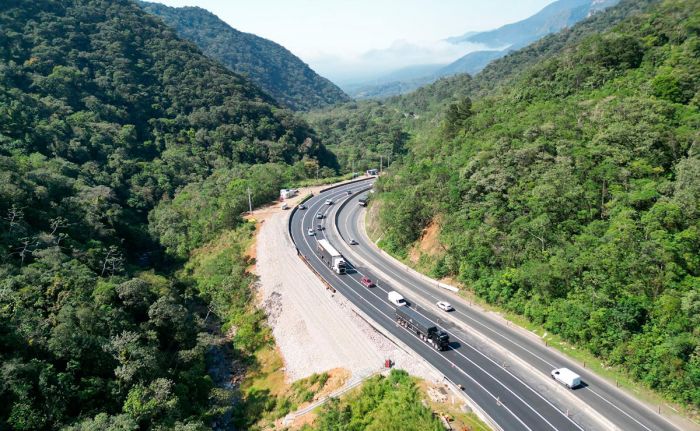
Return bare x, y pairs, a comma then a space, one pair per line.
509, 400
616, 406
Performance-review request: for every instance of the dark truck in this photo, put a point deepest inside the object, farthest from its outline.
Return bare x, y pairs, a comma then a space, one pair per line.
363, 200
423, 328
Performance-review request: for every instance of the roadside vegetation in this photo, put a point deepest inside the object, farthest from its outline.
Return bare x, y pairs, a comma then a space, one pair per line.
126, 157
569, 195
383, 403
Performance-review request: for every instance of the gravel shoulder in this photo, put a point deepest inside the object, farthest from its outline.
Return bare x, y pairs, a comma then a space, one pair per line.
315, 330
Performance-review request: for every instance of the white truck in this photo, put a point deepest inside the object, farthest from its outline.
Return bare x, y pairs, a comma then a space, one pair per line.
330, 256
566, 377
396, 298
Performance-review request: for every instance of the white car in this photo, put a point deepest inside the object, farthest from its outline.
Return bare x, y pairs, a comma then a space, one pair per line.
445, 306
329, 202
352, 242
311, 232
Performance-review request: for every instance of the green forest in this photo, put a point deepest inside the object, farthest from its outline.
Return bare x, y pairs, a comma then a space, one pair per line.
377, 406
268, 65
568, 189
122, 149
564, 179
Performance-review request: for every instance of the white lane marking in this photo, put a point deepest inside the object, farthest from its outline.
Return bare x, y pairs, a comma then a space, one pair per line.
373, 292
455, 366
616, 407
410, 281
460, 354
410, 277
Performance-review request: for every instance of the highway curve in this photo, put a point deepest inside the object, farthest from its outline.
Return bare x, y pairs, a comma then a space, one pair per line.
620, 409
510, 402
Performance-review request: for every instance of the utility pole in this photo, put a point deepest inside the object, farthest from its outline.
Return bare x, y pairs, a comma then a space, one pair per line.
250, 203
381, 162
317, 167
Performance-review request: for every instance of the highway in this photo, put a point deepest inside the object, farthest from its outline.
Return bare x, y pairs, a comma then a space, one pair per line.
505, 398
512, 397
622, 410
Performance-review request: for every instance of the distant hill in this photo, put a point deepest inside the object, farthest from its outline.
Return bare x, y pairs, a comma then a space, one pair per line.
569, 193
501, 41
556, 16
272, 67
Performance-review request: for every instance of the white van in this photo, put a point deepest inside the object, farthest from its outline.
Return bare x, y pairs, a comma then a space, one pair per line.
566, 377
396, 298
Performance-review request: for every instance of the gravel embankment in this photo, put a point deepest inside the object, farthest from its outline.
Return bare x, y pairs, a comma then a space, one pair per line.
315, 330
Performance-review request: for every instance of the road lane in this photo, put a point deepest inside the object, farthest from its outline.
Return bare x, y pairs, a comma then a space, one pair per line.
506, 399
621, 409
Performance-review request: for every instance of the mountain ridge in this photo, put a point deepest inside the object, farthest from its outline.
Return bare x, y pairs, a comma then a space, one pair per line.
501, 41
269, 65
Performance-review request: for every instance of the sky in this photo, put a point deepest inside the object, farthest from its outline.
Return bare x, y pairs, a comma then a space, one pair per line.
356, 39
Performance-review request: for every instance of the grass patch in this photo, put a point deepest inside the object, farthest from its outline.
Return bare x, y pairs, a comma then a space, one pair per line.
323, 181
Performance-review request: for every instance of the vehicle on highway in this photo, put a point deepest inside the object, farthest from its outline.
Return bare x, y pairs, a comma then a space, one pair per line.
319, 216
319, 227
396, 298
444, 306
566, 377
352, 242
330, 256
363, 201
329, 202
367, 282
302, 206
311, 232
423, 328
349, 192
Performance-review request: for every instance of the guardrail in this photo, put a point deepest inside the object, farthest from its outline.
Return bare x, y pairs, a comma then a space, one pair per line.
340, 208
346, 183
477, 409
301, 412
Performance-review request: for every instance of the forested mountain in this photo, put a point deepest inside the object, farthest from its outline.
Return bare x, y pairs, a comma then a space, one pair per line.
107, 120
554, 17
357, 131
570, 192
271, 66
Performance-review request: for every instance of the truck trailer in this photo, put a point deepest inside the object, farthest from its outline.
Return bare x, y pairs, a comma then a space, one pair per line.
330, 256
422, 327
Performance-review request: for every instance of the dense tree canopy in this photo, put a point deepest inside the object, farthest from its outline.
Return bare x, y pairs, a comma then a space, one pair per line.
105, 115
571, 194
270, 66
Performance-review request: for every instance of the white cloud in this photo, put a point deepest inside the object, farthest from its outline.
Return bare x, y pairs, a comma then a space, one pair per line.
401, 53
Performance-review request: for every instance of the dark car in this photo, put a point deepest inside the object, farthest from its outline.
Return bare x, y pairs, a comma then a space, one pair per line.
367, 282
319, 227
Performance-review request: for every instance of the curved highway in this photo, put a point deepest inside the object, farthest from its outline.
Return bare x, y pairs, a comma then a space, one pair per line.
620, 409
510, 401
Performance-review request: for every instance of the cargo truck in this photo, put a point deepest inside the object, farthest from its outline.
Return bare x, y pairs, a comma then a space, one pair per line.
363, 200
422, 327
330, 256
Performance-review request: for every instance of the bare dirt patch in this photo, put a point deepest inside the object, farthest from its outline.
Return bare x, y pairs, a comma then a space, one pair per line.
428, 244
